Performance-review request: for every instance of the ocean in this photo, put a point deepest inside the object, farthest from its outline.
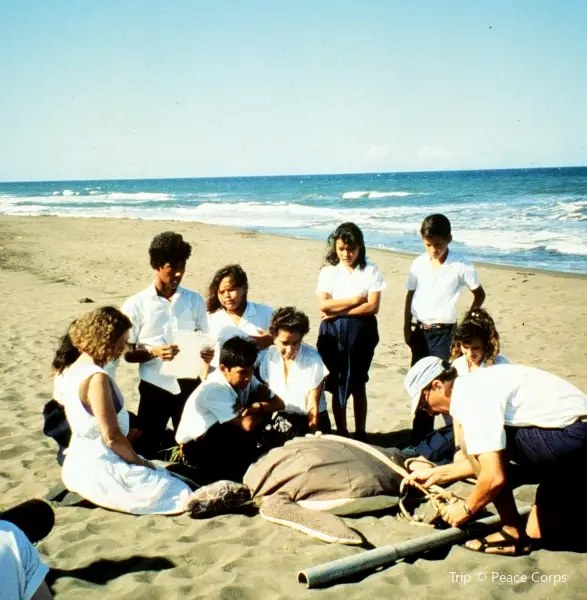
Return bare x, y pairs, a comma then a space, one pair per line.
527, 218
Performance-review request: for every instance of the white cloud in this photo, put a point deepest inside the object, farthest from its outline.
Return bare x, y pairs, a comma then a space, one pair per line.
377, 153
434, 152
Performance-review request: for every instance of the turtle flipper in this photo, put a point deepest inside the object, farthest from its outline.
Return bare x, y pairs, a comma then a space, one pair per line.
281, 509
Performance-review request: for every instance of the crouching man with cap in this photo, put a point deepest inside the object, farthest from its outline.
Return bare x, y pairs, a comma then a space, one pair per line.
510, 413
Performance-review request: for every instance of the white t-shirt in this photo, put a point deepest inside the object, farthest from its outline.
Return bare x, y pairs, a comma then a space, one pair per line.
211, 403
222, 327
306, 373
154, 319
341, 283
21, 568
436, 291
460, 364
484, 401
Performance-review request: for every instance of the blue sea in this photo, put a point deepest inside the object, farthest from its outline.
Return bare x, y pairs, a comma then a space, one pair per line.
524, 217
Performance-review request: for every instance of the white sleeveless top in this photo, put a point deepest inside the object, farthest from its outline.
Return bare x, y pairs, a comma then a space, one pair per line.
83, 424
97, 473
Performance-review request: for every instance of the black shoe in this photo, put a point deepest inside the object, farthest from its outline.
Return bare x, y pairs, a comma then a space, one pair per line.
360, 436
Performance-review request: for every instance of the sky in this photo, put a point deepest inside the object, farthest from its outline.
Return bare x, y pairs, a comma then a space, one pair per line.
187, 88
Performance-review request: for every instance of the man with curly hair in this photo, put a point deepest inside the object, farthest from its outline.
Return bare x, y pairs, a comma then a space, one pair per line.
156, 312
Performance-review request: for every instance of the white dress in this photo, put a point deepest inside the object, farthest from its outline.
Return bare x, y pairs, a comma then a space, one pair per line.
98, 474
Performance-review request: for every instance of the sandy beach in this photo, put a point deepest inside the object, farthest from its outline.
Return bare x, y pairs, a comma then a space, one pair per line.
47, 264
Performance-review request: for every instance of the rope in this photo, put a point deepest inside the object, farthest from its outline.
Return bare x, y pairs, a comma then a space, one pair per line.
435, 494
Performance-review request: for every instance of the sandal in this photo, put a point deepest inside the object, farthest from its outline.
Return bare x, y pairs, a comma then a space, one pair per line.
521, 546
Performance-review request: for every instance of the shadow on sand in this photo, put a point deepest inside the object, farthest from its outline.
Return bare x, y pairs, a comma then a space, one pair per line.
104, 570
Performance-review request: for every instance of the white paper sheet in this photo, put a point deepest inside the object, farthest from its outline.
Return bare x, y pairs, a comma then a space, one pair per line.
187, 362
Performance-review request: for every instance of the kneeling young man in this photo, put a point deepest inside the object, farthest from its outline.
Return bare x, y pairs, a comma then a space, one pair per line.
509, 413
221, 420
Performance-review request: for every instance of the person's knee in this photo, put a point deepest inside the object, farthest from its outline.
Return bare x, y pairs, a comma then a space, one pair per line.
250, 423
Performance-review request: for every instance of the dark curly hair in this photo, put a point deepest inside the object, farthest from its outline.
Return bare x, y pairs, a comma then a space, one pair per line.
477, 325
352, 236
66, 353
168, 247
239, 279
289, 319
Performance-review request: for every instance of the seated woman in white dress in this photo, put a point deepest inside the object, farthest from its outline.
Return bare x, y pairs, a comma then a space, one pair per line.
100, 464
294, 371
231, 314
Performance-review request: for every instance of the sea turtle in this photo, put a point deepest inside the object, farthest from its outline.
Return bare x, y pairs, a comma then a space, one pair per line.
307, 483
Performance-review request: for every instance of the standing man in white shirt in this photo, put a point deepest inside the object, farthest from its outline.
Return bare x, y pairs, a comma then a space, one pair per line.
511, 413
156, 313
434, 284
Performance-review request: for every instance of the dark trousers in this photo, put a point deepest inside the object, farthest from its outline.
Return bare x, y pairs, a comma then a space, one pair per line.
428, 342
551, 453
156, 407
225, 451
555, 459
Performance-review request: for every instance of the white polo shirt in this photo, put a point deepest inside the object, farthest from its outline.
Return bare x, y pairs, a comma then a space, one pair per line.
154, 319
437, 290
211, 403
460, 364
222, 327
21, 568
341, 283
484, 401
306, 373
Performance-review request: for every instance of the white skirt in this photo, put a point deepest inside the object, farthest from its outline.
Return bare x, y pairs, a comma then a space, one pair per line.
99, 475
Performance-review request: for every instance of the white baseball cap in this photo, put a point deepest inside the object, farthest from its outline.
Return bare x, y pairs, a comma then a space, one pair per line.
424, 372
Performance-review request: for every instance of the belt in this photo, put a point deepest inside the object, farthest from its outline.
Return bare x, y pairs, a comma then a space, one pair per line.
434, 325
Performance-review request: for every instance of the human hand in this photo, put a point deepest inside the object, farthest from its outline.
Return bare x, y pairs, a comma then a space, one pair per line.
426, 477
454, 513
361, 299
313, 425
263, 340
165, 352
207, 355
256, 408
325, 316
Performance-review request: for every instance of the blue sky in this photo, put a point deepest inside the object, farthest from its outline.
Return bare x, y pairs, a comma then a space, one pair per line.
154, 88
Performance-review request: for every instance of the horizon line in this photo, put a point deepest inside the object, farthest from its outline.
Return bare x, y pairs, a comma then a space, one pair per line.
285, 175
